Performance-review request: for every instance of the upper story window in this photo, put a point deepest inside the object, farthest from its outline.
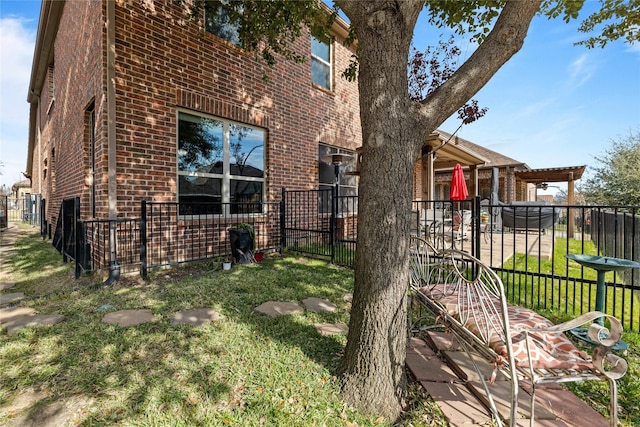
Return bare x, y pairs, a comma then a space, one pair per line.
218, 20
52, 86
321, 65
220, 166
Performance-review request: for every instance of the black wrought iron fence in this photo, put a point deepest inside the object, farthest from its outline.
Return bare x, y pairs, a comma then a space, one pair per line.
110, 242
67, 238
174, 233
4, 211
319, 224
24, 209
525, 243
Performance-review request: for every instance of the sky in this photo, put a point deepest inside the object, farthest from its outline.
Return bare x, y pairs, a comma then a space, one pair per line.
553, 104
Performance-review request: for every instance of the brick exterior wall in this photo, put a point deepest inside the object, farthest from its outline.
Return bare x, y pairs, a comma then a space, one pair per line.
165, 64
74, 79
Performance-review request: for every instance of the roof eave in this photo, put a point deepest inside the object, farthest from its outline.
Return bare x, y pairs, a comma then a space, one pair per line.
50, 14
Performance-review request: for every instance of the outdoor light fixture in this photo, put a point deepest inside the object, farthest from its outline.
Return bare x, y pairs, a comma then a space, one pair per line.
337, 159
543, 186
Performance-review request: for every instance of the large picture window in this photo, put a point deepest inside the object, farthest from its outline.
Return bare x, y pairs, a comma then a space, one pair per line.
321, 67
327, 177
220, 166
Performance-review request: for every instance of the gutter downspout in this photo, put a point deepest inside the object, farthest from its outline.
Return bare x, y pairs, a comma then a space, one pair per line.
114, 268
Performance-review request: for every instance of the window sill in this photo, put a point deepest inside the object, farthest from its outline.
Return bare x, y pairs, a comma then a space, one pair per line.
323, 89
50, 107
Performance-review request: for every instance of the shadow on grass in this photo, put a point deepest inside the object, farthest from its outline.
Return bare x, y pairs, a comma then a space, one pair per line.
157, 369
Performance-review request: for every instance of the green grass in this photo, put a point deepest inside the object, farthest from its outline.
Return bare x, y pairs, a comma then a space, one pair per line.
570, 296
560, 299
246, 369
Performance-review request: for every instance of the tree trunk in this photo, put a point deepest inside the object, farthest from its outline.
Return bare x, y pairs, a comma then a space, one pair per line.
372, 369
393, 131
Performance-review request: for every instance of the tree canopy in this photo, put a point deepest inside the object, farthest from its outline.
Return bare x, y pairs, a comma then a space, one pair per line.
394, 128
615, 180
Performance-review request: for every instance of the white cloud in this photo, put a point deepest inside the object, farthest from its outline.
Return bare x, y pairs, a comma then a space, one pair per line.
16, 53
633, 47
580, 70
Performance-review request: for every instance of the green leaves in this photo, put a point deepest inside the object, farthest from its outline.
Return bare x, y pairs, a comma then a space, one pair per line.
617, 19
616, 180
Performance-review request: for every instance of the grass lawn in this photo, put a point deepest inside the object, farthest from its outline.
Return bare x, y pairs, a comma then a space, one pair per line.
574, 295
246, 369
564, 297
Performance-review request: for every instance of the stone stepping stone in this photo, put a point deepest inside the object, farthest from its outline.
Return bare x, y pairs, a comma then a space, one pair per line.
63, 412
319, 305
19, 323
125, 318
6, 285
331, 328
9, 314
7, 298
278, 308
23, 401
195, 317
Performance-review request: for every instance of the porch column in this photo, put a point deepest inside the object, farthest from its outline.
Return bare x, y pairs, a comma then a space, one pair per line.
510, 184
473, 181
428, 174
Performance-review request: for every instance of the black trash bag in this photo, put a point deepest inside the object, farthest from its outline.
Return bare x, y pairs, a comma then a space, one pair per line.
241, 244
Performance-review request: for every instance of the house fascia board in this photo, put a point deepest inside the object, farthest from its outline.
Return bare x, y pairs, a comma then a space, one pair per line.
340, 27
43, 53
451, 153
50, 13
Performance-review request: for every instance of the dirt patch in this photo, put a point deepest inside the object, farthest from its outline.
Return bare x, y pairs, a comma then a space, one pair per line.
30, 413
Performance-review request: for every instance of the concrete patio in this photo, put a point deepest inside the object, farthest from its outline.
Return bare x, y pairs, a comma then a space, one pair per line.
499, 247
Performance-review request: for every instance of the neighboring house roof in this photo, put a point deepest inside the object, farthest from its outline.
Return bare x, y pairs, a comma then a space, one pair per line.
25, 183
448, 152
493, 158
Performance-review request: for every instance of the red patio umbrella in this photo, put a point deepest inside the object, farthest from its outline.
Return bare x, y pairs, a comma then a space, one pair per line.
458, 192
458, 184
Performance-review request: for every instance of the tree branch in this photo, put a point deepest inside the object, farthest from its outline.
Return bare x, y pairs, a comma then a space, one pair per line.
505, 39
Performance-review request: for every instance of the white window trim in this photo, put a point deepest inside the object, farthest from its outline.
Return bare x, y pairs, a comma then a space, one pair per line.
329, 64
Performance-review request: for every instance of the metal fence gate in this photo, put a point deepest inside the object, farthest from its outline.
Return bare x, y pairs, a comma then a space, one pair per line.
320, 223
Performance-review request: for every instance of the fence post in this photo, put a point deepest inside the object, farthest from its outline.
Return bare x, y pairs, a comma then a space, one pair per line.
76, 232
43, 221
333, 224
143, 240
475, 250
283, 223
63, 223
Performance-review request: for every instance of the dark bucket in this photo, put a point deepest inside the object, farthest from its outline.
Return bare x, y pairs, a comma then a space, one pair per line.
241, 244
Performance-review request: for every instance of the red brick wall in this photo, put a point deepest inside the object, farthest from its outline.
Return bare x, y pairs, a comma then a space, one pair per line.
77, 80
165, 63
